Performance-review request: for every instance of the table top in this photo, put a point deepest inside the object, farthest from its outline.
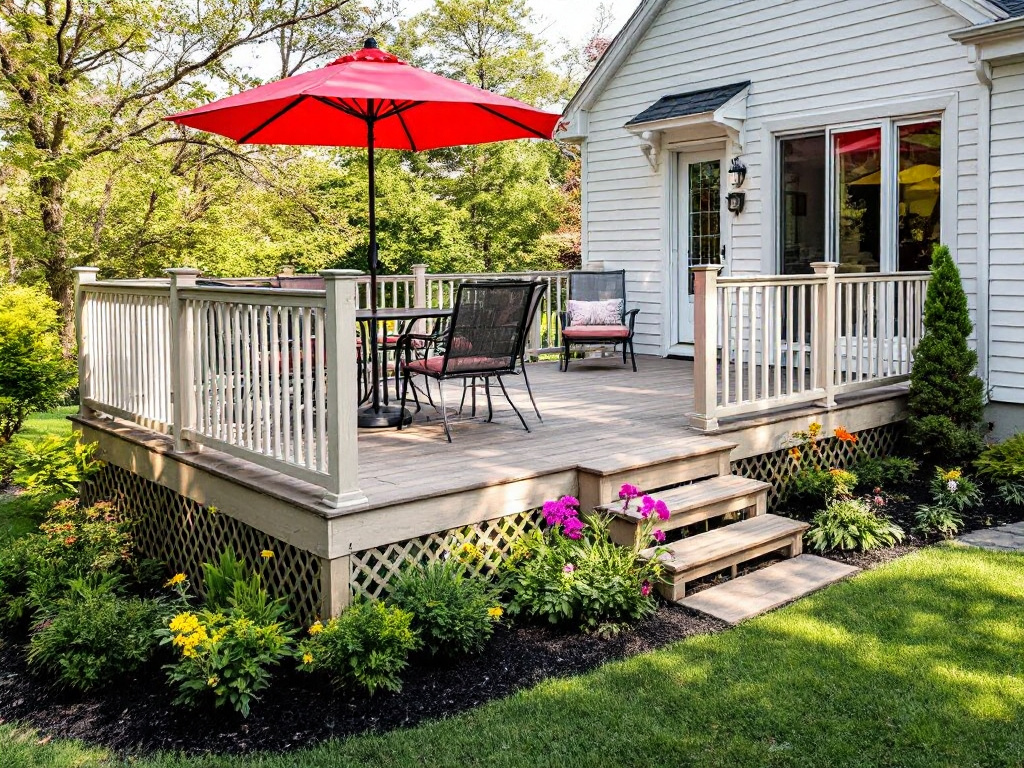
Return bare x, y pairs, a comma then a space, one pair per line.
402, 313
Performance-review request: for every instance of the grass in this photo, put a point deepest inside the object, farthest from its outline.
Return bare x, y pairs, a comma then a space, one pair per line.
918, 663
18, 516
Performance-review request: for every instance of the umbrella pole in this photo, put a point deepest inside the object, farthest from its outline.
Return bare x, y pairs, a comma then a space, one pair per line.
376, 415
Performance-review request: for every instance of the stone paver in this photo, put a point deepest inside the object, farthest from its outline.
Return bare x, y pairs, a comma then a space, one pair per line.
768, 588
1005, 538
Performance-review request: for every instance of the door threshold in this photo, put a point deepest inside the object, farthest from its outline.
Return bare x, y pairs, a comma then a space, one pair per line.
680, 352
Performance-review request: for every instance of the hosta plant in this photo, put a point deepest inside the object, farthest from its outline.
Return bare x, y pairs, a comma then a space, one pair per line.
1002, 466
939, 519
852, 524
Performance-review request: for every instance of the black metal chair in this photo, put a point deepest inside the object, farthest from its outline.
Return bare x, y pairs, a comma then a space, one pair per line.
485, 339
598, 287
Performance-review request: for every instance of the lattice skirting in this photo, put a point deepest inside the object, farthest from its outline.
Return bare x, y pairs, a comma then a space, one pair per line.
185, 534
778, 468
373, 568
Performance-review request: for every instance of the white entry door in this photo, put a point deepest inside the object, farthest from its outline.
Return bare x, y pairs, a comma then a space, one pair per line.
699, 230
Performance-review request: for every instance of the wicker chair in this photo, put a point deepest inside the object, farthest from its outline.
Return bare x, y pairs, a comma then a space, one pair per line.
485, 339
599, 286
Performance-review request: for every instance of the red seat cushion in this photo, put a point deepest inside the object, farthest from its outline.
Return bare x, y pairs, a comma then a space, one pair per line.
581, 332
456, 364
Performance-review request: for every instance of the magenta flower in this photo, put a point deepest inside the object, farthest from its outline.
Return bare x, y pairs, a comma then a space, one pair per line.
570, 501
627, 493
645, 588
569, 568
573, 527
646, 507
659, 535
662, 509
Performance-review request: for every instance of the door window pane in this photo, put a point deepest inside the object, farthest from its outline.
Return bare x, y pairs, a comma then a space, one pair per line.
704, 210
803, 203
920, 161
857, 157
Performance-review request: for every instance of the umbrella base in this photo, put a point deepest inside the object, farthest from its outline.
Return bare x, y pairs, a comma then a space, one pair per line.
384, 416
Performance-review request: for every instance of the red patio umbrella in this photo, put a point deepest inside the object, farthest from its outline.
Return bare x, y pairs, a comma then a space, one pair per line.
370, 98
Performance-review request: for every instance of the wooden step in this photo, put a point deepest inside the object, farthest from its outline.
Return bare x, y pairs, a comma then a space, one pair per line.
689, 504
768, 588
658, 465
707, 553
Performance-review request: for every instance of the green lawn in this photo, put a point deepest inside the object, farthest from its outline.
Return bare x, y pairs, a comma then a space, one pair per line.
918, 663
17, 516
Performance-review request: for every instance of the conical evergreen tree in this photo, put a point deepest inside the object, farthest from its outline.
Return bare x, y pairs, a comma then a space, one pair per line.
946, 397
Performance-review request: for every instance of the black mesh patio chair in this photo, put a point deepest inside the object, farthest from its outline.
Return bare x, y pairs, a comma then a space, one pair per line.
597, 314
485, 339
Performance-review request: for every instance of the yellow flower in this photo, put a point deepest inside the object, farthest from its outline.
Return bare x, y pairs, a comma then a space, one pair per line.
814, 429
307, 658
212, 681
316, 629
266, 554
184, 623
953, 474
212, 510
495, 612
468, 553
175, 580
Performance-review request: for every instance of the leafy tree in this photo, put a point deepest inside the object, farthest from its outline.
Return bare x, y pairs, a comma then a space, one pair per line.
34, 374
946, 397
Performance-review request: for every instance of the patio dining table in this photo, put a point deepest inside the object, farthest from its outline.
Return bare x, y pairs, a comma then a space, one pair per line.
404, 317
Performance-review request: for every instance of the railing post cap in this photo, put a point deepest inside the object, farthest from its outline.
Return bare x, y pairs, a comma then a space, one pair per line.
820, 267
340, 274
85, 270
420, 266
706, 268
184, 271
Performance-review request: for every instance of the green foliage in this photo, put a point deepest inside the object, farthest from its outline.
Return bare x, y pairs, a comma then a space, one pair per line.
955, 490
367, 647
1002, 465
946, 398
230, 586
588, 582
938, 518
73, 542
54, 467
94, 636
888, 472
852, 524
34, 374
453, 612
226, 658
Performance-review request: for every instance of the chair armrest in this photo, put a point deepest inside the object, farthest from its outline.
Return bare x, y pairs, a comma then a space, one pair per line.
631, 319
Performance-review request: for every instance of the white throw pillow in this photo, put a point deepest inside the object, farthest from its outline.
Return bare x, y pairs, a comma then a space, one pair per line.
595, 312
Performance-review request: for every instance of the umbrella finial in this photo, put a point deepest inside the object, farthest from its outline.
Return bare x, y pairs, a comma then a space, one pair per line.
370, 43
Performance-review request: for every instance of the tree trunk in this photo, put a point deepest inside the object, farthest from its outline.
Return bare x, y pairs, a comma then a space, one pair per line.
56, 268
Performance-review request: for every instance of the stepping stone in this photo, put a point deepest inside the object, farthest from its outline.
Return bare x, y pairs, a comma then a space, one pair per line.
768, 588
1005, 538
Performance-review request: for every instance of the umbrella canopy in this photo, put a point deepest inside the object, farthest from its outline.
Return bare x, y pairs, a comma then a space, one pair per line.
370, 98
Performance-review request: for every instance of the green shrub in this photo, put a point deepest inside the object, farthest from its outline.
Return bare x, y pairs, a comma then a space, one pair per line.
1002, 465
453, 613
34, 374
852, 524
580, 577
946, 398
953, 489
230, 585
367, 647
53, 467
226, 658
938, 518
94, 636
889, 472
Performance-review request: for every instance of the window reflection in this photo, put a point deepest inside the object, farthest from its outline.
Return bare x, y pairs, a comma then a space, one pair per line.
920, 160
803, 203
858, 167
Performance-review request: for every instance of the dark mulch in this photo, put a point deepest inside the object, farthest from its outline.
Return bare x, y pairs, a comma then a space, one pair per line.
139, 718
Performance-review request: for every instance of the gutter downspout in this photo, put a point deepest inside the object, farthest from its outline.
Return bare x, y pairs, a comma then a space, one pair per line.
983, 71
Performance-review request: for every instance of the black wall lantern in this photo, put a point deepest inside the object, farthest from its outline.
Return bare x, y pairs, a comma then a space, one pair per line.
735, 201
737, 174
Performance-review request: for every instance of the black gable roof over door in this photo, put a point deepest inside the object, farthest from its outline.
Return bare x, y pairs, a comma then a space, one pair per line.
1012, 7
692, 103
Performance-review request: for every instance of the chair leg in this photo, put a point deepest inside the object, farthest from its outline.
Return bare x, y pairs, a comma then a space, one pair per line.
505, 392
490, 405
405, 392
565, 357
444, 411
522, 364
632, 355
624, 353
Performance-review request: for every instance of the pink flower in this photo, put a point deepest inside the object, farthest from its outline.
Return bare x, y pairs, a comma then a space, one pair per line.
570, 501
879, 501
573, 527
628, 492
662, 509
569, 568
646, 507
659, 535
645, 588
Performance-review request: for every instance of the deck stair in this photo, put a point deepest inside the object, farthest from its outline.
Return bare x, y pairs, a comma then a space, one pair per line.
726, 547
690, 504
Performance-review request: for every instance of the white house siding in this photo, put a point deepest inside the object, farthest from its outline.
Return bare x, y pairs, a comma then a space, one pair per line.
1006, 245
802, 57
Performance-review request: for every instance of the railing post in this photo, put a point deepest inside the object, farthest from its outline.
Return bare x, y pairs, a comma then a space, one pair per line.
182, 358
83, 275
825, 338
419, 294
342, 396
705, 346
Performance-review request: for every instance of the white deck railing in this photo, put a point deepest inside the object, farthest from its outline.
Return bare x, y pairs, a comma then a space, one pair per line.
767, 342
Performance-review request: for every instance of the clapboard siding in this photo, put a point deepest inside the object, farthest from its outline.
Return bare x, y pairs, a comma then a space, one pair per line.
1006, 246
802, 57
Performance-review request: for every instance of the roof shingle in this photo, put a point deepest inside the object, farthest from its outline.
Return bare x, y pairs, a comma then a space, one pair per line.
692, 103
1012, 7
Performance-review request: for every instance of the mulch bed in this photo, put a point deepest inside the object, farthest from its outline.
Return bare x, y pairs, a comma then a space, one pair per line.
298, 711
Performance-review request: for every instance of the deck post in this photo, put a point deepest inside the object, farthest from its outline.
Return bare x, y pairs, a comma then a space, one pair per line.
335, 586
825, 336
419, 294
342, 396
83, 275
182, 358
705, 347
